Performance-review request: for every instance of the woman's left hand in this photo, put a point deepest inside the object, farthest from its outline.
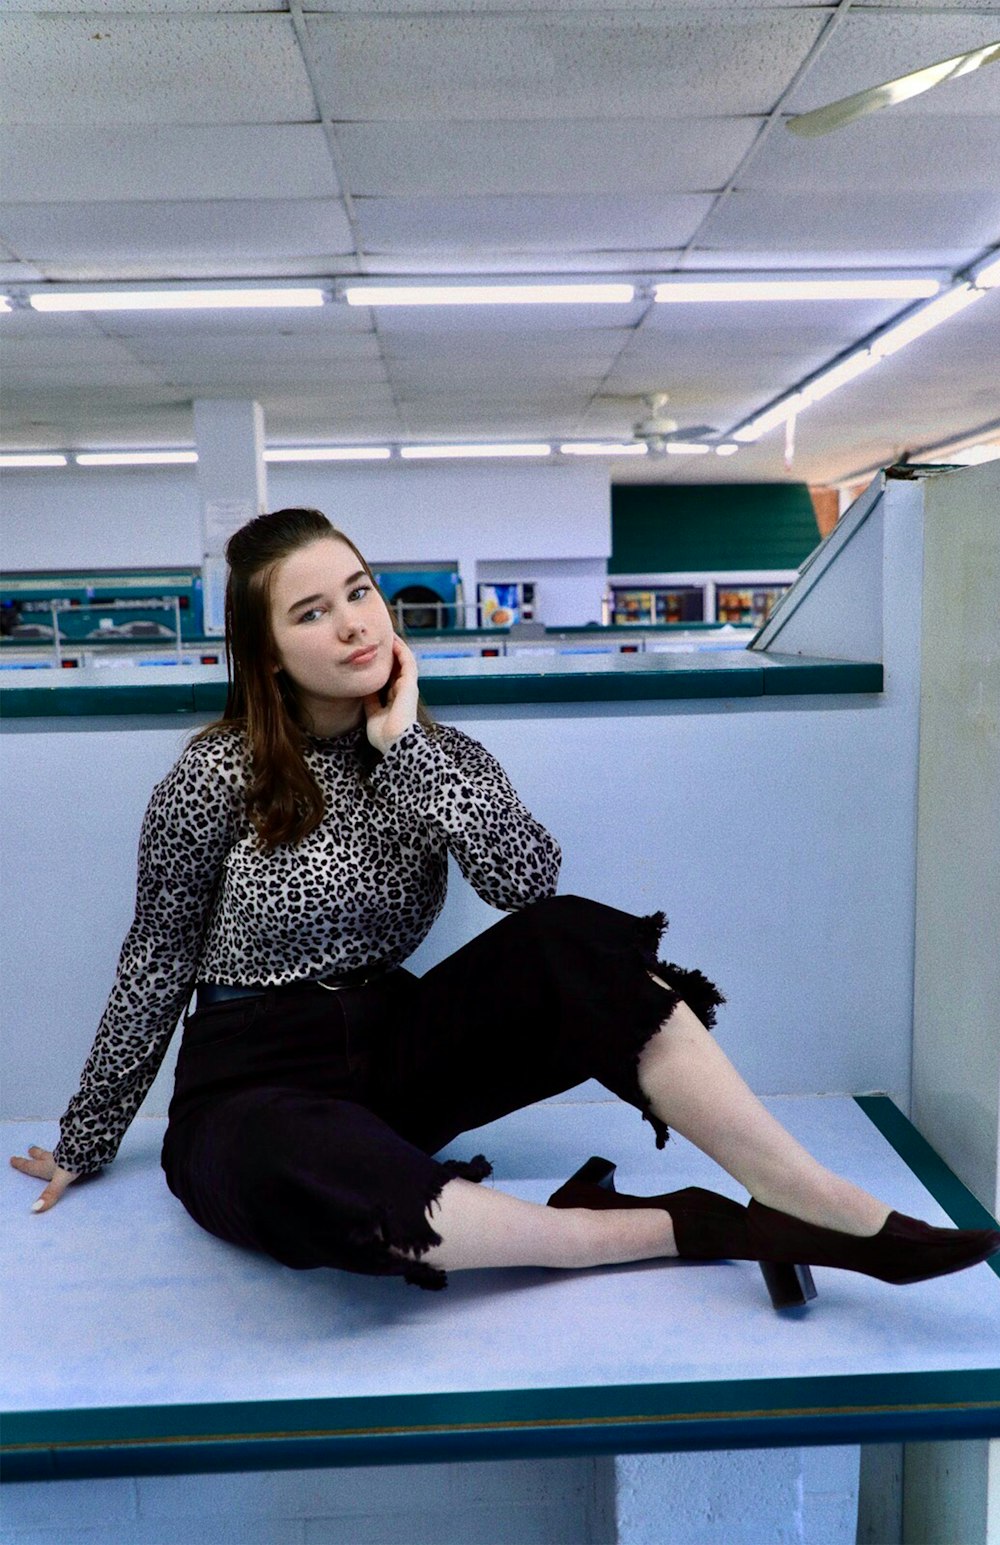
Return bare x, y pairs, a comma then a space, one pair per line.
387, 724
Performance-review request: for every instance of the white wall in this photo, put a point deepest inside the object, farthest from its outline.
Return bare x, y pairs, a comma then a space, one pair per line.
778, 839
469, 513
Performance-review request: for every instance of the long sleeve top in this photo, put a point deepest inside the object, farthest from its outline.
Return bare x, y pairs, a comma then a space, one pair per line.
362, 889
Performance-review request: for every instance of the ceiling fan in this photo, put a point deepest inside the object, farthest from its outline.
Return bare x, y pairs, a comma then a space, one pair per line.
657, 429
822, 119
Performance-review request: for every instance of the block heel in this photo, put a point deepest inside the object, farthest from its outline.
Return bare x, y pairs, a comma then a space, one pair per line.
596, 1172
789, 1285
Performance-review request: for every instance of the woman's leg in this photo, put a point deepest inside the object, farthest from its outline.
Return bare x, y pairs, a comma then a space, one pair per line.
694, 1088
482, 1227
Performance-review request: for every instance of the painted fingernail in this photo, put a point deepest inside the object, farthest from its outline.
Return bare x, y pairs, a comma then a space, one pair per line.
38, 1206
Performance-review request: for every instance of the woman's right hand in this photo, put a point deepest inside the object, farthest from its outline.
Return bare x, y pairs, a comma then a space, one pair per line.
42, 1166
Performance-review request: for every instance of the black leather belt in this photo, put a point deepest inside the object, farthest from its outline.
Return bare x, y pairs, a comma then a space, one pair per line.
209, 993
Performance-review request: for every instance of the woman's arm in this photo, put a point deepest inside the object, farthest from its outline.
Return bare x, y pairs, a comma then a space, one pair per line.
449, 781
187, 829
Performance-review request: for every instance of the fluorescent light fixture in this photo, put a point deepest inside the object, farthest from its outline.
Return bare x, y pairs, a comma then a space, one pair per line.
426, 452
488, 294
782, 411
330, 453
172, 300
988, 277
882, 346
922, 321
975, 455
837, 376
684, 291
727, 448
31, 459
604, 448
135, 458
686, 448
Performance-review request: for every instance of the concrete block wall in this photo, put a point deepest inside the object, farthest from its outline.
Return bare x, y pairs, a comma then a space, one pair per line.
794, 1496
513, 1502
749, 1497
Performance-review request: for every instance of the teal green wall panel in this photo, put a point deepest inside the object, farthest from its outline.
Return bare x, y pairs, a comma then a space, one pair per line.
664, 528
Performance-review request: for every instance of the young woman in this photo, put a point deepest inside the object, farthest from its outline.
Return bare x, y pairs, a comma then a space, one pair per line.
289, 863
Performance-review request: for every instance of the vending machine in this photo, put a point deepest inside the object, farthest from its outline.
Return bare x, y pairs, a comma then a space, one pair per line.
502, 603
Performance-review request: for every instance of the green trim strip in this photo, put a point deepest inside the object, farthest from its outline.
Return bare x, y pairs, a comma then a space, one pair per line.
964, 1209
722, 1414
711, 677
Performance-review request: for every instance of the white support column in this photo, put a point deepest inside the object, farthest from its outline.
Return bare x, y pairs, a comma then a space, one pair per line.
232, 486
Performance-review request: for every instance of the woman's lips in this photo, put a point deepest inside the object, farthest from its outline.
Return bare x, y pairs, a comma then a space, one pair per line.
365, 658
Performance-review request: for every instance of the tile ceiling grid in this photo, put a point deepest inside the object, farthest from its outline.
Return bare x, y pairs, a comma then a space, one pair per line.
833, 21
328, 120
376, 51
643, 68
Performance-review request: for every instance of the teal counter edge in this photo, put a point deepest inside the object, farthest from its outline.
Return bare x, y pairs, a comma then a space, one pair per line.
650, 1418
532, 1423
810, 678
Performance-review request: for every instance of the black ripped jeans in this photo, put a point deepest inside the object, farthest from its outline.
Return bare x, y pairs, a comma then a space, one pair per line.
304, 1122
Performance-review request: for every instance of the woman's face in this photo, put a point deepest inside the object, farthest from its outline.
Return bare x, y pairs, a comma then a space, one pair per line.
324, 609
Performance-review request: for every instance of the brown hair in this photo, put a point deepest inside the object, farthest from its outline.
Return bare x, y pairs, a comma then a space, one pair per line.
284, 801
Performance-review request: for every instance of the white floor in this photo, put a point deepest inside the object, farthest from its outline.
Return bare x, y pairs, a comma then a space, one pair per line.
117, 1298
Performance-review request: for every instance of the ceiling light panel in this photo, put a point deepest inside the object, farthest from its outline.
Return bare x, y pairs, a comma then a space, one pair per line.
177, 299
31, 459
152, 69
489, 294
578, 65
768, 290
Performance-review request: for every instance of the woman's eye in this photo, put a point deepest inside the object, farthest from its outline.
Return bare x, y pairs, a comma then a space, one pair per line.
359, 590
313, 611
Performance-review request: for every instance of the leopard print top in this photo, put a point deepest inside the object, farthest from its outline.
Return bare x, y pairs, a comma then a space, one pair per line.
363, 888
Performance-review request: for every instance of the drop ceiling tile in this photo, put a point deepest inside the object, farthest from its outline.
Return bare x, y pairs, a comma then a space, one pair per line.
106, 7
24, 353
918, 262
524, 225
930, 5
883, 153
98, 269
55, 163
452, 329
345, 327
632, 156
772, 324
83, 375
882, 45
626, 263
223, 363
617, 65
888, 228
487, 382
568, 359
291, 414
547, 7
143, 68
164, 232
